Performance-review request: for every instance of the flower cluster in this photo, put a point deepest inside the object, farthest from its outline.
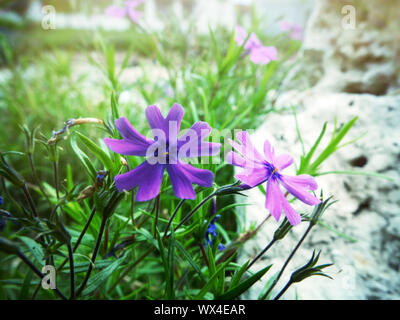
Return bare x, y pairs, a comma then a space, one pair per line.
166, 150
259, 54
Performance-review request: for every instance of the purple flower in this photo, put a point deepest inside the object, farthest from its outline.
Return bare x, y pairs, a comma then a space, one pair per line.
129, 10
295, 31
259, 168
211, 234
259, 54
164, 152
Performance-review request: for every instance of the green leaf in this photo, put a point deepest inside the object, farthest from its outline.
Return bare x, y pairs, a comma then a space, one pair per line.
238, 275
190, 260
34, 248
244, 286
98, 279
213, 278
100, 154
24, 292
269, 283
84, 159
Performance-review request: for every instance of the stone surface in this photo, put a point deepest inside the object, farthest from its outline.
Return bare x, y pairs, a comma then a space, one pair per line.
350, 74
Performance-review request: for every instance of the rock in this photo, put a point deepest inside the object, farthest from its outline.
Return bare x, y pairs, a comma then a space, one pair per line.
351, 74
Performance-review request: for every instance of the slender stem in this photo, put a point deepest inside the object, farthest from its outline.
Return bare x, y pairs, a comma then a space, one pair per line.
132, 207
173, 216
95, 252
71, 270
156, 217
36, 177
125, 273
78, 242
189, 215
56, 179
37, 271
287, 261
283, 290
269, 245
141, 223
203, 252
30, 200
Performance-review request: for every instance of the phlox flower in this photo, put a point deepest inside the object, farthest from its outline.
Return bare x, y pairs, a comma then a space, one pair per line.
294, 30
128, 10
164, 152
259, 54
258, 168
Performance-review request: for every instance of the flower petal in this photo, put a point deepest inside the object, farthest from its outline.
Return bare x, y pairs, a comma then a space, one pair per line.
263, 55
126, 147
134, 15
253, 176
276, 202
175, 114
181, 184
235, 159
192, 144
156, 119
269, 152
247, 149
298, 187
240, 35
273, 199
126, 130
146, 176
283, 161
115, 11
292, 215
201, 177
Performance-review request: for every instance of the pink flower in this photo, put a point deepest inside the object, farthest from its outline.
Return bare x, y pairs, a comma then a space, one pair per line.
268, 168
259, 54
129, 10
295, 31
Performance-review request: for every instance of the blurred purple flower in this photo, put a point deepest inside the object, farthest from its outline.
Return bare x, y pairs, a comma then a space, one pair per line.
268, 167
211, 234
294, 30
129, 10
164, 152
259, 54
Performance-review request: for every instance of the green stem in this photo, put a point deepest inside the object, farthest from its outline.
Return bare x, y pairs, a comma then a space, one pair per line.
36, 270
125, 273
156, 217
94, 255
36, 177
56, 179
269, 245
283, 290
189, 215
288, 260
30, 200
71, 270
173, 216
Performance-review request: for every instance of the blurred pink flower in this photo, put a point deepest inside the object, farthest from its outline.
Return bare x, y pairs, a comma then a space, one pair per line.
129, 10
259, 54
294, 30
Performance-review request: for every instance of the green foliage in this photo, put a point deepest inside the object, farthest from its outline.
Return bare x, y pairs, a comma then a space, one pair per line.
50, 180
